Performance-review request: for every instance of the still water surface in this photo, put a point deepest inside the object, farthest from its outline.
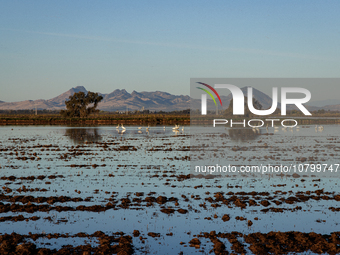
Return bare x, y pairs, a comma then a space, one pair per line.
103, 164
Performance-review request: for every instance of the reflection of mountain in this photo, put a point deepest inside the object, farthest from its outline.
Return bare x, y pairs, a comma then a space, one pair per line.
242, 134
81, 135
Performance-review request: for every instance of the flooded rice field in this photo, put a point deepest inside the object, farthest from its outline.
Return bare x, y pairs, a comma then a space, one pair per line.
103, 190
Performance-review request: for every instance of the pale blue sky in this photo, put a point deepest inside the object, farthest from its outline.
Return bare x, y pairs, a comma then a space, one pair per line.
47, 47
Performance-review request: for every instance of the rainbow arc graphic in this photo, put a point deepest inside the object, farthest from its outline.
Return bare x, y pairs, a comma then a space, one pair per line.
204, 97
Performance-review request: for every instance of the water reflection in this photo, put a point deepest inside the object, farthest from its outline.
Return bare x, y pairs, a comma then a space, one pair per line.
243, 134
81, 135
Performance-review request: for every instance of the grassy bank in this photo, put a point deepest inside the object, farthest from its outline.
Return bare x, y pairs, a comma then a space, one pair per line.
56, 119
151, 118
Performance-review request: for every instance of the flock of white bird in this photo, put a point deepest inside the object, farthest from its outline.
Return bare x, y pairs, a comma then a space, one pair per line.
176, 128
285, 129
122, 129
318, 128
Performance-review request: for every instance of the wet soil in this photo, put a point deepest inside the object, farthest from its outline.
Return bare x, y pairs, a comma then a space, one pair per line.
57, 184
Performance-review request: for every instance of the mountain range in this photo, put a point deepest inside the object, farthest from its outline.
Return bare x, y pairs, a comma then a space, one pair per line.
120, 100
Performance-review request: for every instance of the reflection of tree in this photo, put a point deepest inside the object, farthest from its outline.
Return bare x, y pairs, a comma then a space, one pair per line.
81, 135
242, 134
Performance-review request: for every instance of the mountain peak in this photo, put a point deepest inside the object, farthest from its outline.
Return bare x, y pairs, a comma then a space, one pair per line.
60, 100
135, 93
78, 89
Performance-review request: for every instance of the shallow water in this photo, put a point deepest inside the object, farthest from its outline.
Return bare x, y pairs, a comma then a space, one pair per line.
102, 165
307, 150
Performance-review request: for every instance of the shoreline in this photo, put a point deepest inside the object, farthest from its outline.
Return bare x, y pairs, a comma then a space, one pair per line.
161, 119
96, 120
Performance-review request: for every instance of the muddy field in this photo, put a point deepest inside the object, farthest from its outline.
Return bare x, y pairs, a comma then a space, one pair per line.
100, 190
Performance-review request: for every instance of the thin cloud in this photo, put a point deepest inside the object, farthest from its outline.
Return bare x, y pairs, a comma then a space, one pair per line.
175, 45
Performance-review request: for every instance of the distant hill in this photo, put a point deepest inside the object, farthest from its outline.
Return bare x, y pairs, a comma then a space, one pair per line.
116, 100
120, 100
323, 103
331, 107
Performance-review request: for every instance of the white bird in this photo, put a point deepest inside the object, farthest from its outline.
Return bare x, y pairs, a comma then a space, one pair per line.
123, 127
139, 127
176, 127
320, 128
164, 127
117, 126
147, 129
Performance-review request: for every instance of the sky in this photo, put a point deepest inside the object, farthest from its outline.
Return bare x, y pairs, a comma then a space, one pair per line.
48, 47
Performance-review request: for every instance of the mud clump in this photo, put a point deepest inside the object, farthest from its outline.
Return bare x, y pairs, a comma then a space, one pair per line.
225, 217
161, 200
168, 210
277, 242
153, 234
18, 218
265, 203
219, 247
136, 233
195, 242
240, 203
240, 218
109, 244
285, 242
182, 211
